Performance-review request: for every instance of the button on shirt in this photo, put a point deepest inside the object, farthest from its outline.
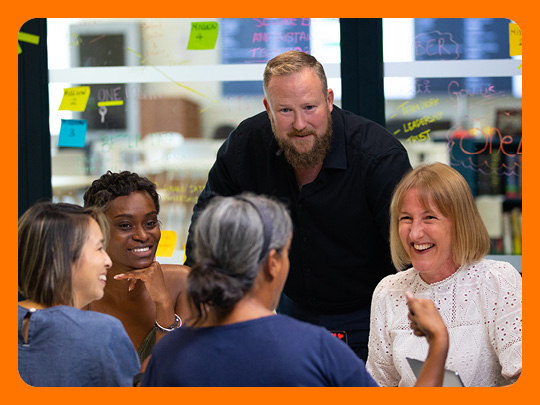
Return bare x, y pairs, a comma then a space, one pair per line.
340, 247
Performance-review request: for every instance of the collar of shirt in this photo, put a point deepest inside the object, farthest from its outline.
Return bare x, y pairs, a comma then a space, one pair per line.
336, 157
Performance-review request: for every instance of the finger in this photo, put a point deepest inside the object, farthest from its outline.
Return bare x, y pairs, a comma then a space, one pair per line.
131, 274
409, 295
411, 301
132, 283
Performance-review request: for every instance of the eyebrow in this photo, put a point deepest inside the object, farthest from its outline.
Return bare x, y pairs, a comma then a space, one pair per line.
131, 216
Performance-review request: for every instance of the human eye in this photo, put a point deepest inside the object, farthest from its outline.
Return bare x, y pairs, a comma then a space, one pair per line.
310, 107
404, 218
285, 110
124, 226
151, 223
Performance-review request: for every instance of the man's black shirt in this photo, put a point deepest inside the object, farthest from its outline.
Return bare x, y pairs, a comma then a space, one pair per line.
340, 248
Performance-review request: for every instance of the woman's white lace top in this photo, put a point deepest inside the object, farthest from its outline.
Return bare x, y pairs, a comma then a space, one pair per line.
481, 307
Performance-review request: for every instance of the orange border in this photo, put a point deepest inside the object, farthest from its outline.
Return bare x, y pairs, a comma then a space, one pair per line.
241, 8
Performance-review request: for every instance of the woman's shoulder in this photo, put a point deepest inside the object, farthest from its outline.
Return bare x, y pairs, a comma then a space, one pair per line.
400, 280
68, 319
175, 270
492, 267
176, 279
94, 319
175, 273
489, 270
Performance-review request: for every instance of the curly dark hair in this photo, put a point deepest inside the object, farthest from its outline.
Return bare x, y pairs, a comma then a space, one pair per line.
112, 185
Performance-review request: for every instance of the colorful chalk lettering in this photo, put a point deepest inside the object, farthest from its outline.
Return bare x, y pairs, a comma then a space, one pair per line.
420, 122
455, 91
265, 22
437, 45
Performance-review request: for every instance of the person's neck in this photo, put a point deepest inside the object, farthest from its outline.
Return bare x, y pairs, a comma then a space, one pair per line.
247, 309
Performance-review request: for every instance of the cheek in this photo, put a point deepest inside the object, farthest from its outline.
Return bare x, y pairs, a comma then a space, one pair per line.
281, 123
156, 234
403, 234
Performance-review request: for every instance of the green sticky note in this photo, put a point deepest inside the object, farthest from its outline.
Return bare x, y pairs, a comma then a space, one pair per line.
75, 98
72, 133
203, 35
515, 39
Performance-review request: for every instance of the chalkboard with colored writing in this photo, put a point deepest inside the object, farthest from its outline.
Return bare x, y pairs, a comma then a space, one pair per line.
439, 39
257, 40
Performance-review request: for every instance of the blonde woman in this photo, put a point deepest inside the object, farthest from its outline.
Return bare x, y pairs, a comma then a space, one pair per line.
435, 225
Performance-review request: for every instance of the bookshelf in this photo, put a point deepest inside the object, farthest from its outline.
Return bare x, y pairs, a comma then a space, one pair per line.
492, 167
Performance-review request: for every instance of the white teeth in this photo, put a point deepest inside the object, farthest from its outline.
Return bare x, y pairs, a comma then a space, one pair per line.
140, 250
423, 247
103, 277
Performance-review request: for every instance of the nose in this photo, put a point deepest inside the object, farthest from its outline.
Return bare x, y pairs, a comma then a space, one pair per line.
140, 234
108, 261
417, 230
299, 122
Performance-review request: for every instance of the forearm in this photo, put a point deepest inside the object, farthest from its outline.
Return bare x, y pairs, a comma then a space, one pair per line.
432, 373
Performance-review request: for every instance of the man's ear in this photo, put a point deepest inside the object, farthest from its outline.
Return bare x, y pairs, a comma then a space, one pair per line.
266, 105
330, 99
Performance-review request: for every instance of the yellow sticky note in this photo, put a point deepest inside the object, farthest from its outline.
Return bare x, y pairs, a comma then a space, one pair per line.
515, 39
203, 35
166, 244
75, 98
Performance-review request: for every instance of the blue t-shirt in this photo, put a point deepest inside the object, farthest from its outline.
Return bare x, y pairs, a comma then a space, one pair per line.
274, 351
68, 347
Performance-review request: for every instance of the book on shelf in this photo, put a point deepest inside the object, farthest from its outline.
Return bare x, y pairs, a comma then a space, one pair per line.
488, 176
513, 183
512, 237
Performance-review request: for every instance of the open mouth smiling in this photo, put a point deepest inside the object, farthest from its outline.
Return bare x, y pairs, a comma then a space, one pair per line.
140, 250
422, 247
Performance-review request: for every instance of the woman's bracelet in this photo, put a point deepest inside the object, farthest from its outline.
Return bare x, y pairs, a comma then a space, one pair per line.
177, 323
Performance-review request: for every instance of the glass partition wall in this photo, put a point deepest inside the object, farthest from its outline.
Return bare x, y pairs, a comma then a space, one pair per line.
165, 93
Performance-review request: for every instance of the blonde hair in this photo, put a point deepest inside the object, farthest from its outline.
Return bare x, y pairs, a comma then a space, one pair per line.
452, 196
51, 238
293, 62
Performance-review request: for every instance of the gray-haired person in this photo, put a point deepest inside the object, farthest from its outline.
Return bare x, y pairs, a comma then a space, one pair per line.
236, 338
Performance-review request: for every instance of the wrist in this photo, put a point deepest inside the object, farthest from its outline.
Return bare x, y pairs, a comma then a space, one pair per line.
177, 323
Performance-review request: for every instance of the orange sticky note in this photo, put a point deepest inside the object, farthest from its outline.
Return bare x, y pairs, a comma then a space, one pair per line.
166, 244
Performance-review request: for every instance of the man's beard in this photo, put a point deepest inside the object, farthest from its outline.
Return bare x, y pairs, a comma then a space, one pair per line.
314, 157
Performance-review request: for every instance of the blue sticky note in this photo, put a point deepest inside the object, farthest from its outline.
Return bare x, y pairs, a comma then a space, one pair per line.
72, 133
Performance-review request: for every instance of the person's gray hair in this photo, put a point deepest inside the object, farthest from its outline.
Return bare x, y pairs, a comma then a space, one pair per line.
229, 248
